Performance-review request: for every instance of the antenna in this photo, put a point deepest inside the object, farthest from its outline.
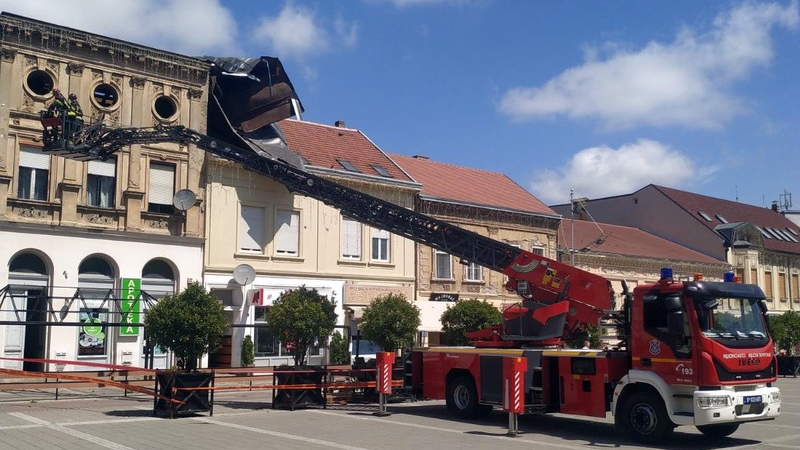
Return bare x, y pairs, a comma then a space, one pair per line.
786, 200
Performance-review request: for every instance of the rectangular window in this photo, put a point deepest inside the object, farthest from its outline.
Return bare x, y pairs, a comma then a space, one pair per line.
162, 188
753, 276
472, 272
351, 239
795, 288
100, 183
781, 294
251, 229
443, 264
768, 284
537, 250
287, 233
380, 245
34, 168
265, 343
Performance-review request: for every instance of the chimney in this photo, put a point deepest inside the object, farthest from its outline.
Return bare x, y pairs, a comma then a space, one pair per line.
775, 206
421, 157
340, 124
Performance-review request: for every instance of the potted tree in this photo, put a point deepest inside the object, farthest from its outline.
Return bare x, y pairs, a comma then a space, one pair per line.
248, 352
302, 318
391, 322
190, 324
785, 330
466, 316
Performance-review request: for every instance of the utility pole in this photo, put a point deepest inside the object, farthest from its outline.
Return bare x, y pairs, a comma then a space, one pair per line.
572, 227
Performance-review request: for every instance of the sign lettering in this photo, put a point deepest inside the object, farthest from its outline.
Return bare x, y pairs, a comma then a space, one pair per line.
131, 289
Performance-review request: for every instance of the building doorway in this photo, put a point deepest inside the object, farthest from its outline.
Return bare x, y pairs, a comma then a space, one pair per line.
28, 297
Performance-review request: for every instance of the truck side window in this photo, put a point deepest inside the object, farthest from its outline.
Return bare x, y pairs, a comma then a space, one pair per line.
657, 308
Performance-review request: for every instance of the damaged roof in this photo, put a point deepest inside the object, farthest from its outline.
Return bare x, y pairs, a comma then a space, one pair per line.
340, 149
468, 186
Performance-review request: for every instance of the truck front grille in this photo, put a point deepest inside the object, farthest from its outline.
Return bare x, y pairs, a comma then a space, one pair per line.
725, 375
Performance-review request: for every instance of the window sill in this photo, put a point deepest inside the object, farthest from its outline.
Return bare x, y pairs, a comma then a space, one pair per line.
291, 258
352, 262
474, 282
245, 255
449, 280
383, 264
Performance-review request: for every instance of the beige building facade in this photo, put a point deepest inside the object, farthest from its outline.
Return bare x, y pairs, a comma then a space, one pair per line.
70, 231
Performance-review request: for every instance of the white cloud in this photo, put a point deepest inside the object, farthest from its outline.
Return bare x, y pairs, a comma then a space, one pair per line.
686, 82
297, 32
603, 171
191, 27
411, 3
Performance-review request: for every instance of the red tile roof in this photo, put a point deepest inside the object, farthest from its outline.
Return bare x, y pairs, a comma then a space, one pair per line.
714, 208
325, 145
620, 240
447, 182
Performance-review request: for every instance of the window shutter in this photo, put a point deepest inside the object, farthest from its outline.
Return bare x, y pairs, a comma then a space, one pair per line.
781, 286
33, 158
287, 236
753, 276
162, 183
251, 229
768, 284
795, 287
351, 238
104, 168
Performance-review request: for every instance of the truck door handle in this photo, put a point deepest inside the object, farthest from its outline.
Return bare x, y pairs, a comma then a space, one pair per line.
646, 362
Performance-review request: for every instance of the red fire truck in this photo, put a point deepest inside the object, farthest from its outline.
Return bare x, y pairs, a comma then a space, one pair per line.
692, 353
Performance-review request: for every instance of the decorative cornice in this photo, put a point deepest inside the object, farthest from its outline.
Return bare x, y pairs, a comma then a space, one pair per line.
195, 94
75, 68
8, 54
138, 82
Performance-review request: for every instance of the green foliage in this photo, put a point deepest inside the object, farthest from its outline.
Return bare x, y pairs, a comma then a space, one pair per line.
248, 351
591, 333
391, 322
785, 330
302, 318
190, 324
468, 315
340, 353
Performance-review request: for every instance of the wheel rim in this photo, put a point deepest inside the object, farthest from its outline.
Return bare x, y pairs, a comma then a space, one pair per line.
461, 397
644, 418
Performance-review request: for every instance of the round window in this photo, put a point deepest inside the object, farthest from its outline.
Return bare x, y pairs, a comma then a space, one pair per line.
39, 82
105, 95
165, 107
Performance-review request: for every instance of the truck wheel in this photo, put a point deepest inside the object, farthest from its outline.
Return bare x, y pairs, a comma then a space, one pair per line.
462, 397
718, 431
645, 418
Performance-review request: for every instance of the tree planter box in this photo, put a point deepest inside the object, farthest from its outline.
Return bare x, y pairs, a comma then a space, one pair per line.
301, 397
789, 365
192, 401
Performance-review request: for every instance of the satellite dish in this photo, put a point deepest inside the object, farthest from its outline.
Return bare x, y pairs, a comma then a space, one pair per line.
244, 274
183, 199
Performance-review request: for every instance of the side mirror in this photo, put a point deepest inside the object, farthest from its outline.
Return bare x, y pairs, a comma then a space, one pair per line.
675, 325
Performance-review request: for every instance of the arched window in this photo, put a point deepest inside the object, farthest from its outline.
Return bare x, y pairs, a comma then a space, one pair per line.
28, 279
158, 278
96, 285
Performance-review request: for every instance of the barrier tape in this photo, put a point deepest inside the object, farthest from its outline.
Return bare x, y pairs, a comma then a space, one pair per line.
79, 363
343, 385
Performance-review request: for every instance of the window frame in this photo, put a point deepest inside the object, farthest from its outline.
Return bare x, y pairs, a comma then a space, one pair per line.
357, 234
96, 176
440, 254
278, 239
254, 209
378, 235
470, 270
33, 175
158, 206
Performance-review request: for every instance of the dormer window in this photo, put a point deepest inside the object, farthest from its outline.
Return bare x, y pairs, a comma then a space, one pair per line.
348, 165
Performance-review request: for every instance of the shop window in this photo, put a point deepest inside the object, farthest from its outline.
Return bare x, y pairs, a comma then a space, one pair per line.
96, 286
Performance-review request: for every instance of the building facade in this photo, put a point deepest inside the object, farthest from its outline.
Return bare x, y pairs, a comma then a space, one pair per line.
290, 240
487, 203
761, 245
71, 231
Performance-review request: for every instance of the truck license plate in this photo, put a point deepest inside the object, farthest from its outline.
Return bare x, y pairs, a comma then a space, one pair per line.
752, 399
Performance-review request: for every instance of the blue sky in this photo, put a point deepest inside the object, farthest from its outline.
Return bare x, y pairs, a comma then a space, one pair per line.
600, 97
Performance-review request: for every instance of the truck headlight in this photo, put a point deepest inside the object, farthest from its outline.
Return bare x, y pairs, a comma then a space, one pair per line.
776, 397
718, 401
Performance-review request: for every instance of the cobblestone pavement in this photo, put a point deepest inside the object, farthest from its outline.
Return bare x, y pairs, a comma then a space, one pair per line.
104, 419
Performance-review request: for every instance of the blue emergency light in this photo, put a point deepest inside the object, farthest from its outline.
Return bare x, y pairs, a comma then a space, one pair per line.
728, 277
666, 273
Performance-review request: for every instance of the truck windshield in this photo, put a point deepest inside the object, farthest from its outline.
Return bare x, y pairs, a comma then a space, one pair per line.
736, 322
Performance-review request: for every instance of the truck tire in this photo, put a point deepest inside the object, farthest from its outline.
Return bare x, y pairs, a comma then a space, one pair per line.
718, 431
462, 398
645, 418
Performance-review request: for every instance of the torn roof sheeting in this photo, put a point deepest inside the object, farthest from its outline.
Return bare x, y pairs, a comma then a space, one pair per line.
249, 95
